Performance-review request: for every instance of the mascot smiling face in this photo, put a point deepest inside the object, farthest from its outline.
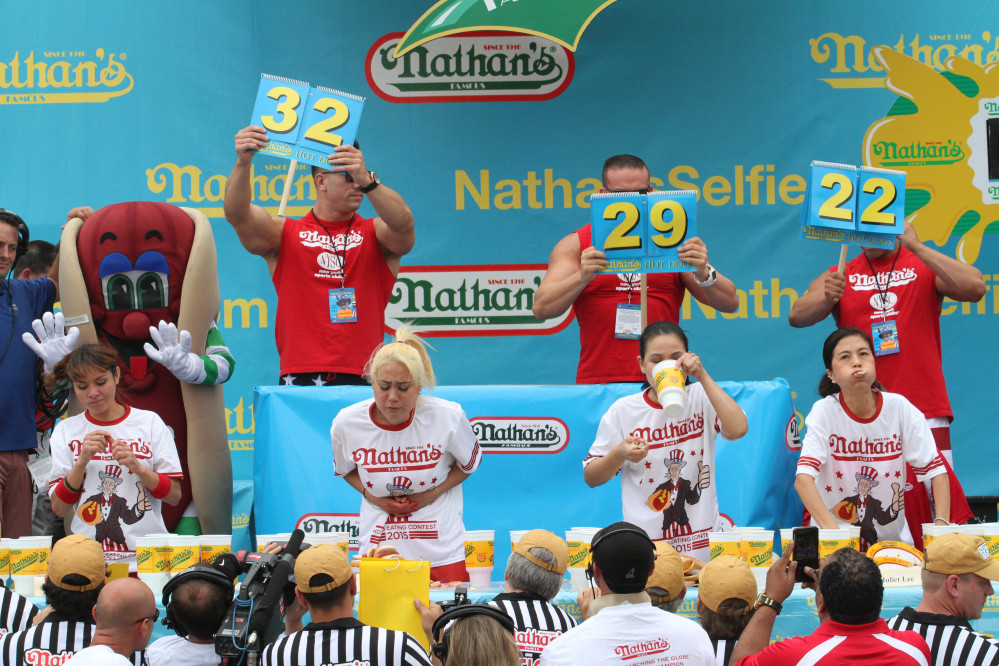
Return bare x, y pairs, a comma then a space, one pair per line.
133, 258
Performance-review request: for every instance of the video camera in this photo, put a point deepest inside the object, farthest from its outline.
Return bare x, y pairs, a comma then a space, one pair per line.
267, 578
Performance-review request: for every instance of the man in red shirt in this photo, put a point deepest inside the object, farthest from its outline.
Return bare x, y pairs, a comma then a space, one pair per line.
606, 353
333, 270
848, 601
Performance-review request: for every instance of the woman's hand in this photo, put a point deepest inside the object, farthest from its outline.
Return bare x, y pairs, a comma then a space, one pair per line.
395, 506
93, 443
124, 456
635, 449
690, 363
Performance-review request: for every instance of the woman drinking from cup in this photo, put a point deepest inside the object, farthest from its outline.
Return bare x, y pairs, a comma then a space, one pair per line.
852, 469
665, 461
406, 454
122, 461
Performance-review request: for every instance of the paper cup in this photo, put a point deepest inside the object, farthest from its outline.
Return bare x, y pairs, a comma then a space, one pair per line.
184, 552
152, 559
725, 543
213, 545
479, 556
516, 536
578, 540
990, 532
757, 548
931, 531
854, 537
668, 380
786, 537
832, 540
339, 539
28, 560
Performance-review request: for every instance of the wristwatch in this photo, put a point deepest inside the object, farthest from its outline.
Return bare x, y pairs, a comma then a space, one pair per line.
707, 282
764, 600
375, 182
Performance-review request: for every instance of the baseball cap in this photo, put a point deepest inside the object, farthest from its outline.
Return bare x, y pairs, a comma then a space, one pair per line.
960, 554
625, 554
77, 555
726, 577
323, 559
668, 573
548, 541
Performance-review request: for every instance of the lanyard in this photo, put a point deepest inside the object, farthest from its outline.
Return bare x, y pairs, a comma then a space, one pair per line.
341, 252
630, 279
877, 284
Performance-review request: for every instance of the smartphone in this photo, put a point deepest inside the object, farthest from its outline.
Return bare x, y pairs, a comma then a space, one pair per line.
806, 551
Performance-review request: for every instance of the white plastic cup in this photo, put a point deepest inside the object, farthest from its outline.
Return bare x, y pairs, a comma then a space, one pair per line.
185, 552
479, 550
668, 380
989, 531
153, 561
28, 561
725, 543
340, 539
213, 545
578, 539
832, 540
516, 536
931, 531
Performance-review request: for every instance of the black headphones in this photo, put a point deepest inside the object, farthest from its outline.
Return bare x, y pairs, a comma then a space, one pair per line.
197, 572
442, 643
23, 236
603, 537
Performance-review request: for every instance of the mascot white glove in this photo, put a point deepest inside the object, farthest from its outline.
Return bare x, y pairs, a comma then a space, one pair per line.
53, 343
174, 353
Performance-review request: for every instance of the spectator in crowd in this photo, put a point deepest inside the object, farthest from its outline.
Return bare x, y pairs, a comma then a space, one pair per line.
606, 350
474, 635
75, 578
848, 601
333, 270
126, 614
625, 628
666, 586
726, 592
37, 261
197, 601
956, 575
896, 295
21, 301
325, 587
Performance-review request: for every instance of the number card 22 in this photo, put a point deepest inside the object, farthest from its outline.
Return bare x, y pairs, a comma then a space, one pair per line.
860, 206
304, 122
642, 233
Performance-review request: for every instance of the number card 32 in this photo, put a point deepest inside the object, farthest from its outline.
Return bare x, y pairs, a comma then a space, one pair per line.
642, 233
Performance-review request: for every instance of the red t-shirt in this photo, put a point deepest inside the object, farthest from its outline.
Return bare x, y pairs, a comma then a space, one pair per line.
833, 644
916, 371
311, 263
602, 357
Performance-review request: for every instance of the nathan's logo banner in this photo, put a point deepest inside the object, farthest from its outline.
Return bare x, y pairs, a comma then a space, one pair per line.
515, 434
61, 77
862, 206
474, 67
442, 301
331, 523
305, 123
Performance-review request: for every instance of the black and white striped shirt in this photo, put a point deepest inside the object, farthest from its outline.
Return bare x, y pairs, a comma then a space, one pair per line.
16, 612
951, 639
724, 647
345, 641
537, 620
51, 641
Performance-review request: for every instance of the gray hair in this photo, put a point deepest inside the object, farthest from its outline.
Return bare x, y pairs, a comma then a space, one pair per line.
672, 605
529, 577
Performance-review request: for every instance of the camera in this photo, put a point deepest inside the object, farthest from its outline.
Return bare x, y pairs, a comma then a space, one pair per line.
460, 599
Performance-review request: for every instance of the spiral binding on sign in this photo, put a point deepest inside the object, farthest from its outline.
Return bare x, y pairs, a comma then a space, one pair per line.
283, 79
334, 91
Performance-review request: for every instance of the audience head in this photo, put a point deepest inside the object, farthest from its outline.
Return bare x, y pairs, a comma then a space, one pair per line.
851, 587
957, 570
126, 612
537, 564
75, 577
37, 261
726, 594
623, 557
323, 576
665, 585
197, 601
475, 635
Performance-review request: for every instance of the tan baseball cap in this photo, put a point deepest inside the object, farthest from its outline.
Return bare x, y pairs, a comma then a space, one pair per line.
726, 577
551, 542
324, 558
77, 555
960, 554
668, 573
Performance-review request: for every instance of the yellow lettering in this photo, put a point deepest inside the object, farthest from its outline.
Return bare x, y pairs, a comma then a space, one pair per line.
531, 183
510, 198
583, 198
792, 188
717, 185
244, 307
239, 412
462, 183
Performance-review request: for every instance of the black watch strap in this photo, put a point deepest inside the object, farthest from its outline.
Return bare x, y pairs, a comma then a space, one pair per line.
375, 182
764, 600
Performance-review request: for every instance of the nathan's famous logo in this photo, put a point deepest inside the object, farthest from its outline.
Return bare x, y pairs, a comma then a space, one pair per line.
866, 447
331, 523
442, 301
20, 564
579, 557
939, 127
852, 63
761, 559
643, 649
485, 66
469, 549
717, 550
55, 77
520, 434
40, 657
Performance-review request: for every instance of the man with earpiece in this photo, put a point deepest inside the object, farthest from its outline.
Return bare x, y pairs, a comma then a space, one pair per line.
21, 302
624, 627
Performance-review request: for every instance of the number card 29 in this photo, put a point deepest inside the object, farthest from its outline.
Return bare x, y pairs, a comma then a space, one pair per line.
642, 233
304, 122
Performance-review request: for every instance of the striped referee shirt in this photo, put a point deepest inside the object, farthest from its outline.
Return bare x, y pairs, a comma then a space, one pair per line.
16, 612
345, 642
537, 620
51, 641
951, 638
724, 647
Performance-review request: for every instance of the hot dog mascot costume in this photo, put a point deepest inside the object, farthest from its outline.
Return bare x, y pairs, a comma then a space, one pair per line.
133, 265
